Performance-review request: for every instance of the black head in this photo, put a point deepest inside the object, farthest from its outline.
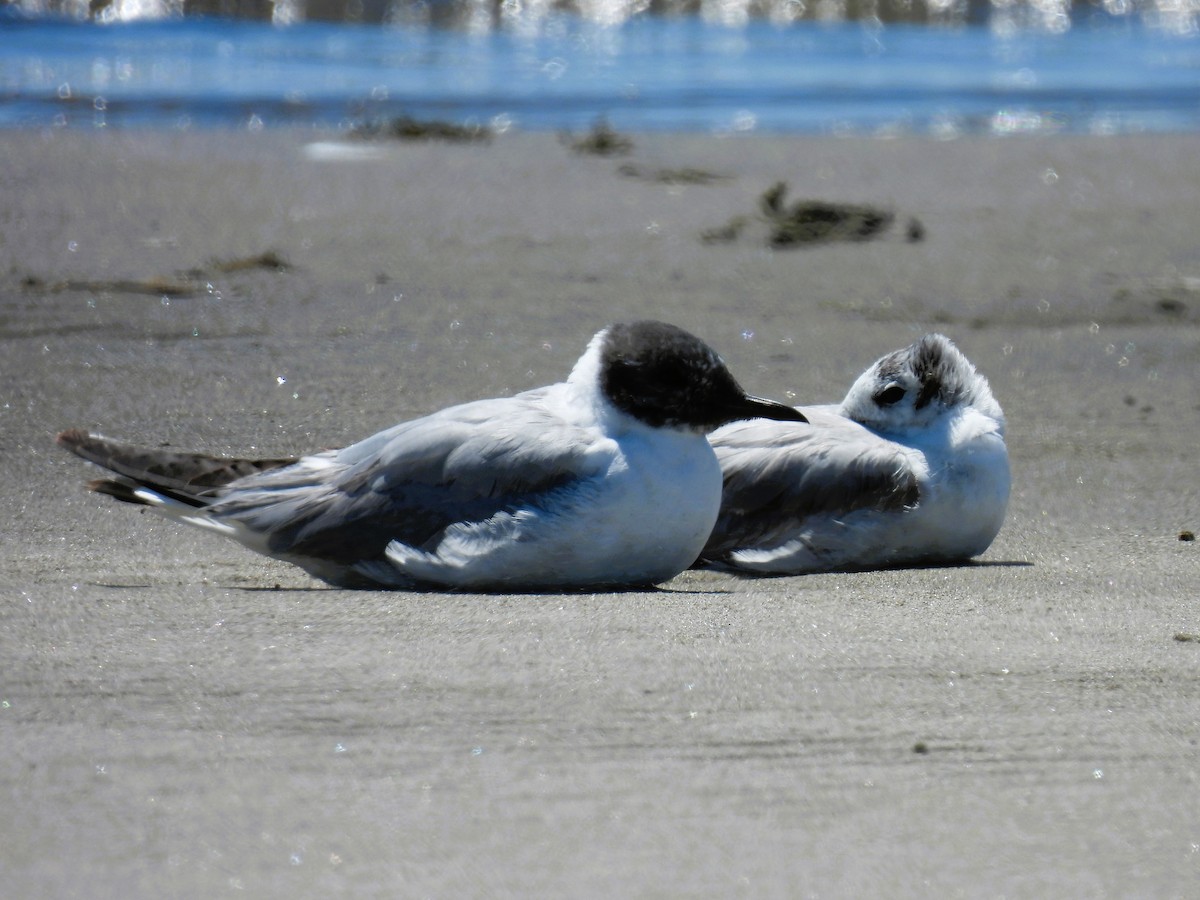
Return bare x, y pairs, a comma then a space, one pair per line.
666, 377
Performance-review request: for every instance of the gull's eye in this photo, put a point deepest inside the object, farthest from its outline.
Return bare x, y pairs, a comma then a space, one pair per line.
893, 393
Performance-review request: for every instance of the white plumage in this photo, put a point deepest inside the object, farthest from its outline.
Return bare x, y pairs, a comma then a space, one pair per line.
910, 468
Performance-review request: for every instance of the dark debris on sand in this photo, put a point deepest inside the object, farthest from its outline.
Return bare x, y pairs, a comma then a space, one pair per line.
406, 128
184, 284
684, 175
817, 221
602, 140
810, 222
155, 287
270, 260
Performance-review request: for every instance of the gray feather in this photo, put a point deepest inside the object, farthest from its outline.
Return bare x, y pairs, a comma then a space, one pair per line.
808, 472
412, 481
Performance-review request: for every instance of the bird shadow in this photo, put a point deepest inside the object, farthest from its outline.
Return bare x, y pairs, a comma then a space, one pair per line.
666, 591
432, 590
906, 567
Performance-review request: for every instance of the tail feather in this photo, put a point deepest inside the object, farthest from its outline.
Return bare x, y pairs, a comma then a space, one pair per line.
191, 478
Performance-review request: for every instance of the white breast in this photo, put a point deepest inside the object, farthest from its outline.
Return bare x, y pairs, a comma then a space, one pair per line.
967, 491
964, 482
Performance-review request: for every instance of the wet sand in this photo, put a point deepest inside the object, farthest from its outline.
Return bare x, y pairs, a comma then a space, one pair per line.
182, 718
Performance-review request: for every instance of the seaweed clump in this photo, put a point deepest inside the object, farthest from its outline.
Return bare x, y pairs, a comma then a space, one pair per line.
602, 140
809, 222
819, 221
406, 128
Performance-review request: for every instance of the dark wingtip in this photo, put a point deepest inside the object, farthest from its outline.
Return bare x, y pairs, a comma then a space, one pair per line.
72, 438
92, 447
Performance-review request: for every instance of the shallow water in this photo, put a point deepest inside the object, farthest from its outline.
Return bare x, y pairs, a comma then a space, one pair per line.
1102, 74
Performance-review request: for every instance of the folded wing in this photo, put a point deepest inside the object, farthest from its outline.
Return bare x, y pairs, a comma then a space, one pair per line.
412, 482
787, 481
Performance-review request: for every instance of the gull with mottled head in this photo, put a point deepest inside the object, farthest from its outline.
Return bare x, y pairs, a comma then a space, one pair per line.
911, 468
606, 479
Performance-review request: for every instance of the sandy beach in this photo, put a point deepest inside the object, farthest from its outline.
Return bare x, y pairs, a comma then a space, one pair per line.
185, 719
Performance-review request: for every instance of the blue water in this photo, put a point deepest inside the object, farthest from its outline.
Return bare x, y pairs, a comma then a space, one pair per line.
1105, 74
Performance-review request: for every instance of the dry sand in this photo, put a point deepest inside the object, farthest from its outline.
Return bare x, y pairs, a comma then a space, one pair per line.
181, 718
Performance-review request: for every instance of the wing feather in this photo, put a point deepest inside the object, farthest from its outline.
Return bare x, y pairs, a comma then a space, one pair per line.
780, 476
191, 478
412, 482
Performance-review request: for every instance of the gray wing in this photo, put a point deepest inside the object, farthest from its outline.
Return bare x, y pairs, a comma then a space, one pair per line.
780, 476
411, 482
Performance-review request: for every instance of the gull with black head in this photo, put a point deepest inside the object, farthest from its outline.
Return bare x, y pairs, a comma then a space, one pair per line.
911, 468
606, 479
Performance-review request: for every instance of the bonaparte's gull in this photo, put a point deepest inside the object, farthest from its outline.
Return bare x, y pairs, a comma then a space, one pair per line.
910, 468
604, 479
